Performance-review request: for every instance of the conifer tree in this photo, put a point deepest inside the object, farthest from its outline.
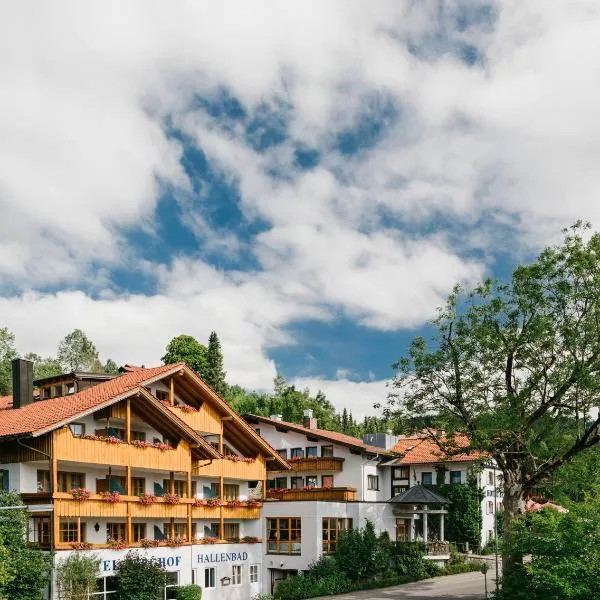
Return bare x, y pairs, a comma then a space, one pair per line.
215, 374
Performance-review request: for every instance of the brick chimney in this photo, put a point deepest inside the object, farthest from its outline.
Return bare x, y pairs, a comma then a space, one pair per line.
22, 382
308, 420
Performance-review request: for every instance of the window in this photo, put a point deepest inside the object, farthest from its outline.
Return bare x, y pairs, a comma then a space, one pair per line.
236, 574
253, 573
77, 429
327, 481
326, 451
70, 388
179, 530
490, 478
284, 535
179, 487
455, 477
490, 507
138, 435
231, 491
297, 453
171, 583
231, 531
162, 395
39, 530
282, 452
139, 531
138, 486
297, 483
105, 586
311, 451
43, 481
280, 483
115, 531
331, 531
209, 577
427, 478
70, 481
67, 531
57, 390
46, 393
401, 473
214, 490
311, 481
372, 482
399, 489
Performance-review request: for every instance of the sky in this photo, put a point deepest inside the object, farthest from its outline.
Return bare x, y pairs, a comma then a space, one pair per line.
310, 179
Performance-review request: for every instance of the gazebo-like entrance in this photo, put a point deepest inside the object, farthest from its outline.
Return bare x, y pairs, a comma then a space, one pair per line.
418, 502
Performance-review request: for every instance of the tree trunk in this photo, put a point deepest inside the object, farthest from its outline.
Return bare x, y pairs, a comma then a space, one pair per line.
514, 506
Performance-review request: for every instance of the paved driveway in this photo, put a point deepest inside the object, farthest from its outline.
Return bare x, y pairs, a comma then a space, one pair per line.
467, 586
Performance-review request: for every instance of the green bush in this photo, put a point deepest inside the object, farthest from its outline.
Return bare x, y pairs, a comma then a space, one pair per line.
359, 554
300, 587
457, 568
188, 592
76, 576
407, 559
140, 578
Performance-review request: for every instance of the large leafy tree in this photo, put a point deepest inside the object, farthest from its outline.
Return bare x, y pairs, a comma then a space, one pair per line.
44, 367
7, 353
187, 349
214, 373
76, 352
29, 568
516, 367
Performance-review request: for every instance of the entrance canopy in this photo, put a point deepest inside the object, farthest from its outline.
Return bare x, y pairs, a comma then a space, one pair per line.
418, 494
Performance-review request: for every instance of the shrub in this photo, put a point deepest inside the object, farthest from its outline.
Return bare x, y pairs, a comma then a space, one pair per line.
139, 577
407, 559
188, 592
457, 568
76, 576
359, 554
307, 586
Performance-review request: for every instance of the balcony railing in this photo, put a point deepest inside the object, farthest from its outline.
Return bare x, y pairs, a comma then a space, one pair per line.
335, 494
330, 464
159, 544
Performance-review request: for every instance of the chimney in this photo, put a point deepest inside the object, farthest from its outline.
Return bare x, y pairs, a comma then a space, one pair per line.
22, 382
276, 417
381, 440
308, 420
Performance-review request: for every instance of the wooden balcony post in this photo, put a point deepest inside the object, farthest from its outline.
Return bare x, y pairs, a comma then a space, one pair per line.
172, 528
264, 490
128, 480
189, 484
172, 391
54, 476
79, 529
189, 523
221, 516
221, 439
129, 532
172, 483
128, 422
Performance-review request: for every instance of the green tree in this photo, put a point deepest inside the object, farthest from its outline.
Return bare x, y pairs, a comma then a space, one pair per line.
29, 567
185, 348
76, 352
359, 555
564, 551
214, 374
44, 367
516, 367
7, 353
140, 578
111, 367
76, 576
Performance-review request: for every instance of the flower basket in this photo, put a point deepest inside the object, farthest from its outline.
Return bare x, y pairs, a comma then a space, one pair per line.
113, 439
174, 542
250, 539
200, 502
111, 497
162, 446
234, 504
148, 499
80, 494
208, 540
116, 544
214, 502
81, 546
171, 498
236, 458
148, 543
141, 444
253, 504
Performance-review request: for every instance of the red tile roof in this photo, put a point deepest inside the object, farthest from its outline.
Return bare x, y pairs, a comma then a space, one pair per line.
5, 402
420, 450
44, 414
332, 436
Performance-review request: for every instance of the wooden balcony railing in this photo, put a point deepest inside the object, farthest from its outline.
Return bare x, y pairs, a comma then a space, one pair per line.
335, 494
316, 464
162, 544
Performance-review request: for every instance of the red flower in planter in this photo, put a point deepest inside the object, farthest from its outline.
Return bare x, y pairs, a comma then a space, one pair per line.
200, 502
176, 541
250, 539
116, 544
171, 498
148, 499
111, 497
208, 540
148, 543
234, 503
81, 546
113, 439
80, 494
214, 502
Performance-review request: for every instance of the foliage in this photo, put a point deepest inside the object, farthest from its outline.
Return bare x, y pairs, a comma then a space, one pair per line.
308, 586
516, 367
76, 352
7, 573
565, 555
43, 367
29, 566
111, 367
407, 559
185, 348
76, 576
139, 577
214, 373
7, 353
188, 592
463, 521
358, 553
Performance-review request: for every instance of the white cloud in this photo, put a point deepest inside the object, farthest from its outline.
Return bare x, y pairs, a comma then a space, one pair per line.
86, 90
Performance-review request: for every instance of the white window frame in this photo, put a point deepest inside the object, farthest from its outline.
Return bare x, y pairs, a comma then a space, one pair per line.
254, 572
375, 480
235, 568
214, 578
171, 585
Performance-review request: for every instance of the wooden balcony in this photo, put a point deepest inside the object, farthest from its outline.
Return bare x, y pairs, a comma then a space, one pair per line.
197, 542
315, 464
333, 494
68, 447
230, 469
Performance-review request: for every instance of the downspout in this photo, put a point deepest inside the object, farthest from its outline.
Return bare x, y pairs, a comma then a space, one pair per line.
52, 490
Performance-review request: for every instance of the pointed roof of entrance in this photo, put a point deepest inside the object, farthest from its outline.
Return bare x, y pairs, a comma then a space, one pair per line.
419, 494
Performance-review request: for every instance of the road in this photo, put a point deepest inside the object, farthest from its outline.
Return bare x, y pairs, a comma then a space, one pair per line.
467, 586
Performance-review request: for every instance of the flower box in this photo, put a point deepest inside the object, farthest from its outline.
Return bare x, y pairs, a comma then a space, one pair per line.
148, 499
80, 494
148, 543
81, 546
250, 539
171, 498
111, 497
116, 544
208, 540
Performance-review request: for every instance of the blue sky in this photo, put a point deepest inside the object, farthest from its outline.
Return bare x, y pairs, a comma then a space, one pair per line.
308, 179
